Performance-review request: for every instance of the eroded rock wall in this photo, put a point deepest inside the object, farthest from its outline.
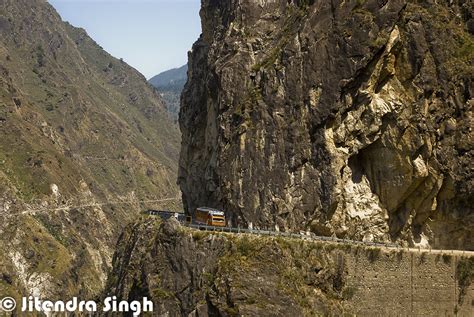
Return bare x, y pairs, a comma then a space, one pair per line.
351, 118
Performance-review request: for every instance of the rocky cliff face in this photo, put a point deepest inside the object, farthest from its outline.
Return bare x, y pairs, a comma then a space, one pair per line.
351, 118
85, 143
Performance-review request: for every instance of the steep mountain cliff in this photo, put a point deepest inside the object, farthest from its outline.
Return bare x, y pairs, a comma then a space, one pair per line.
85, 144
351, 118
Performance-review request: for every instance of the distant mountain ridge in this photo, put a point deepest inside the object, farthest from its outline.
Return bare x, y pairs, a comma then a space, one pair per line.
169, 84
171, 77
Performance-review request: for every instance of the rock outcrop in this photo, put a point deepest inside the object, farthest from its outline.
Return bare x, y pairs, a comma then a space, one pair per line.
192, 273
85, 144
351, 118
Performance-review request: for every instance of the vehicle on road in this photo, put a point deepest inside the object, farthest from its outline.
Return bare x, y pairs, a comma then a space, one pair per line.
165, 214
209, 216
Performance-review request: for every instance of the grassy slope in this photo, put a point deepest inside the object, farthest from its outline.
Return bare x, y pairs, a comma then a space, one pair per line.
74, 116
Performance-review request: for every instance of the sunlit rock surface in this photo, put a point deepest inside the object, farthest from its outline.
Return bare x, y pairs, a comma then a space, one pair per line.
351, 118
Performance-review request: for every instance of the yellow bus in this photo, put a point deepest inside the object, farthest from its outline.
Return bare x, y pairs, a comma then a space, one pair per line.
209, 216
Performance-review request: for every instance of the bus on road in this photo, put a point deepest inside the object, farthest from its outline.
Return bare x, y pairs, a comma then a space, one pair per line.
209, 216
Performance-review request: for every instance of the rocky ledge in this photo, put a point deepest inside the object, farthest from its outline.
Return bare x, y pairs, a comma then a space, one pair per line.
189, 272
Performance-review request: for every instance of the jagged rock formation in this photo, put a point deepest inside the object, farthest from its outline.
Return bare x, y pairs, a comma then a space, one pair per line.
351, 118
83, 140
192, 273
170, 84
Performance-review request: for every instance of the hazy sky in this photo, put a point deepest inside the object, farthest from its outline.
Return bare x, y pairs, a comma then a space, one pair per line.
150, 35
